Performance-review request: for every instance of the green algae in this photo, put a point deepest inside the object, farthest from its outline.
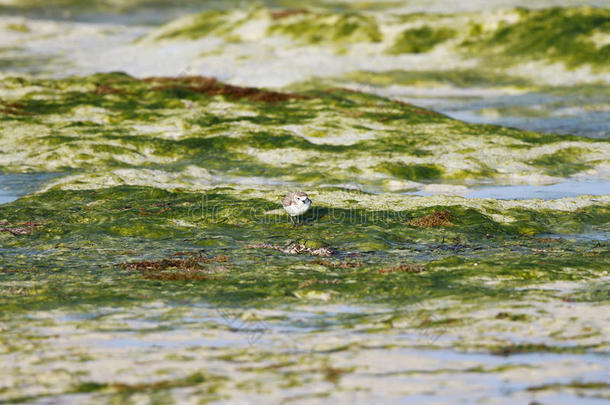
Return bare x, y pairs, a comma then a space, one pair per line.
565, 162
206, 386
573, 36
551, 35
275, 362
211, 22
301, 25
126, 220
146, 188
313, 28
19, 27
554, 34
456, 77
421, 40
170, 124
580, 385
536, 348
412, 172
195, 379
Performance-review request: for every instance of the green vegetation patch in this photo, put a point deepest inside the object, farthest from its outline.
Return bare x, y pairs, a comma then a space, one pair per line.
421, 40
241, 248
335, 29
412, 172
458, 77
575, 385
148, 273
212, 22
553, 34
195, 127
563, 163
303, 26
571, 35
196, 379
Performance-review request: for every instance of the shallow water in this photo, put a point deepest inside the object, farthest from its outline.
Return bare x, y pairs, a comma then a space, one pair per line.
13, 186
572, 121
571, 188
532, 111
331, 351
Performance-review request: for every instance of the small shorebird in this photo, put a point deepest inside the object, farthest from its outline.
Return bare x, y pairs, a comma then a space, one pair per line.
296, 204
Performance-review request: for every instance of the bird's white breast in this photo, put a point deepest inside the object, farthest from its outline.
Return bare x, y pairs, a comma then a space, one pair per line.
297, 209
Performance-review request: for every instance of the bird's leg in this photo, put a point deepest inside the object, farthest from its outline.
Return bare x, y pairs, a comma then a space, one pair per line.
297, 223
291, 219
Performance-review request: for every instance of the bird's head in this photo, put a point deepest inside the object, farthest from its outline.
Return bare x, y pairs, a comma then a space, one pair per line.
302, 198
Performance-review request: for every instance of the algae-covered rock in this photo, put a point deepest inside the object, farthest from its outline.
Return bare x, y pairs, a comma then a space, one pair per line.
301, 25
572, 36
567, 35
192, 130
421, 40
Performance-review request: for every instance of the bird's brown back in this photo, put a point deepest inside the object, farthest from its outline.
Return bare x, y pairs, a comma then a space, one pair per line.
288, 199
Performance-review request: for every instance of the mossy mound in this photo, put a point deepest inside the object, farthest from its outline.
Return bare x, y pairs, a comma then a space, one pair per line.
226, 235
573, 36
565, 35
192, 130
